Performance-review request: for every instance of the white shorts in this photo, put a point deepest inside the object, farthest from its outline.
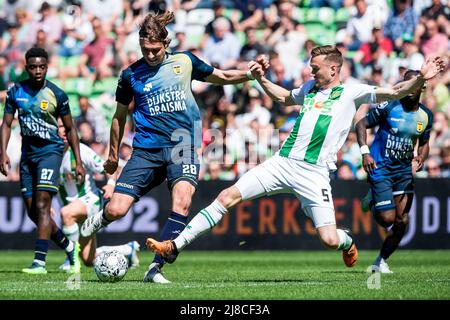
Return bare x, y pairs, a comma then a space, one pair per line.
310, 183
93, 202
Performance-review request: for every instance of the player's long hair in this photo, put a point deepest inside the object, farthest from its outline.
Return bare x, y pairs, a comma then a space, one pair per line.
153, 28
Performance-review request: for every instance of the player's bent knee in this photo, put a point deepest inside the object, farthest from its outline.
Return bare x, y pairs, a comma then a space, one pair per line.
182, 197
403, 221
384, 220
181, 204
66, 216
115, 211
43, 206
87, 261
229, 197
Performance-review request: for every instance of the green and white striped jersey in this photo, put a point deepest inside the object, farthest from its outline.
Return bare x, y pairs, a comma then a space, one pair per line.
70, 190
324, 121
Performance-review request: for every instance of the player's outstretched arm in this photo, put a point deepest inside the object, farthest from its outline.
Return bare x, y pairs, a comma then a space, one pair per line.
275, 92
430, 68
72, 138
116, 134
5, 134
223, 77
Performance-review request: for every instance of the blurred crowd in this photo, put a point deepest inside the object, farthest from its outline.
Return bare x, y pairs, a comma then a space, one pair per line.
91, 41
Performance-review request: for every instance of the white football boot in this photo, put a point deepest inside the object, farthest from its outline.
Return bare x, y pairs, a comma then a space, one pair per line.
133, 259
92, 225
154, 274
380, 265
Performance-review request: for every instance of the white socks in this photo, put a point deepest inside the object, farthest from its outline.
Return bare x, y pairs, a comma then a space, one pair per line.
203, 221
72, 232
345, 241
70, 247
39, 262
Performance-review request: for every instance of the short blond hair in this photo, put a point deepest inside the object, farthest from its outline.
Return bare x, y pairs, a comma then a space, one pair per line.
331, 54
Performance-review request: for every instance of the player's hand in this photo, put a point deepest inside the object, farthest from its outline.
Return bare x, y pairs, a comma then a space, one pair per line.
111, 165
80, 173
431, 67
417, 164
256, 69
5, 164
263, 61
108, 191
368, 163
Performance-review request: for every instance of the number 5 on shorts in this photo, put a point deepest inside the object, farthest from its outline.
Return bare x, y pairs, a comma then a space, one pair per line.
326, 198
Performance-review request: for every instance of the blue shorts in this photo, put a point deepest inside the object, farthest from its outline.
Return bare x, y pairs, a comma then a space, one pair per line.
386, 184
148, 168
40, 173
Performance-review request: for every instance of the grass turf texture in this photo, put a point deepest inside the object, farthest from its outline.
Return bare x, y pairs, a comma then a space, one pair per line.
236, 275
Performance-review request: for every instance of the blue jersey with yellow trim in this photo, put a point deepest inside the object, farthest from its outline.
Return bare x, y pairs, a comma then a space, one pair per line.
165, 110
38, 113
398, 132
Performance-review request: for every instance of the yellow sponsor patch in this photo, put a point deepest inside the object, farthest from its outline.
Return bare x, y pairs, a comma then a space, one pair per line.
177, 69
419, 126
44, 104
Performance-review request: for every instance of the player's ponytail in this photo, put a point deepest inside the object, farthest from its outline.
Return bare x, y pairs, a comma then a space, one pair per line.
153, 28
166, 18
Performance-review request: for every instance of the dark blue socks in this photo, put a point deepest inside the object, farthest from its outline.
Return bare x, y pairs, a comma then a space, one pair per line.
60, 239
172, 229
40, 252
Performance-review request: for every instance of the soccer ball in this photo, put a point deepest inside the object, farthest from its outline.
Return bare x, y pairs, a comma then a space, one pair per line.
110, 266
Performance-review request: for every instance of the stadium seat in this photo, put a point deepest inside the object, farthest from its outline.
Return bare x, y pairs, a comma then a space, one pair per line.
72, 61
57, 82
326, 15
342, 15
306, 4
78, 86
200, 16
228, 13
181, 17
194, 34
321, 34
73, 103
299, 14
350, 54
104, 85
312, 15
241, 37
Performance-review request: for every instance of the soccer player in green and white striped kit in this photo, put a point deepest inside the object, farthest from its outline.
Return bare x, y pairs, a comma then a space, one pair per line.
303, 163
84, 200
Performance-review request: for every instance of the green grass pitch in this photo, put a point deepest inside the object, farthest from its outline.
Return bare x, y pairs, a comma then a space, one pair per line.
261, 275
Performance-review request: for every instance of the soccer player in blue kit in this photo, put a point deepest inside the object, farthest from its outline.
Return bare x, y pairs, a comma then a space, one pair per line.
391, 163
39, 104
168, 130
